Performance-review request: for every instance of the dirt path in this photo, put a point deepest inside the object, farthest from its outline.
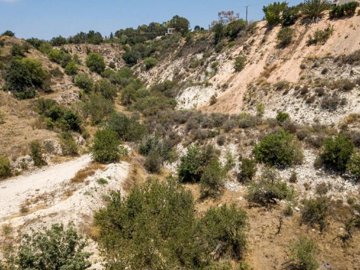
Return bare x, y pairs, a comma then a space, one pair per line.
15, 191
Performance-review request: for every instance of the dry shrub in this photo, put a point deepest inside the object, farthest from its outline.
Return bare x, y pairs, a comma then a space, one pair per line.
81, 175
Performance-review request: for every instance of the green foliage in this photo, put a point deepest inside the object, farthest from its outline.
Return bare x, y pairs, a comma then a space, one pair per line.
247, 170
19, 50
131, 57
150, 62
71, 68
269, 189
106, 146
285, 37
273, 12
24, 76
320, 36
83, 81
315, 212
59, 56
233, 29
282, 117
212, 179
347, 9
91, 37
278, 149
5, 168
54, 248
313, 9
337, 152
8, 33
58, 41
303, 253
95, 62
58, 116
106, 89
97, 108
153, 162
240, 63
133, 235
128, 129
353, 167
192, 164
225, 226
36, 153
290, 15
68, 144
180, 24
219, 33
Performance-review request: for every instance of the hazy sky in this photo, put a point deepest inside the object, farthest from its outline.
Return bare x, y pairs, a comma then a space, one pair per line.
48, 18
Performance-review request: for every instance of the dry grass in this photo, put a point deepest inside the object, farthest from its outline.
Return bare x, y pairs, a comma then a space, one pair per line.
87, 172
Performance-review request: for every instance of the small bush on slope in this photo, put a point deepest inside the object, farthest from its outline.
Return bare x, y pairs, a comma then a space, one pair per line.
5, 168
303, 253
336, 153
315, 212
155, 227
278, 149
95, 62
106, 146
24, 77
54, 248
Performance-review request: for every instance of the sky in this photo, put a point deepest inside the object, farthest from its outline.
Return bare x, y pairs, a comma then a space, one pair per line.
48, 18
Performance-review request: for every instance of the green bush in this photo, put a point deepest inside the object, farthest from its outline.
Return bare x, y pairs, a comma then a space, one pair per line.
150, 62
180, 24
279, 149
225, 225
315, 212
68, 144
128, 129
247, 170
95, 62
353, 167
212, 179
54, 248
219, 34
83, 81
192, 164
36, 153
58, 41
269, 189
58, 116
106, 89
313, 9
347, 9
233, 29
273, 12
5, 168
97, 108
153, 162
337, 152
240, 63
282, 117
24, 76
285, 37
290, 15
320, 36
106, 146
132, 234
131, 57
8, 33
19, 50
60, 57
303, 253
71, 68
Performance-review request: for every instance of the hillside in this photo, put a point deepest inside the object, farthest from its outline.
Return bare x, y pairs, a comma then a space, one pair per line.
171, 151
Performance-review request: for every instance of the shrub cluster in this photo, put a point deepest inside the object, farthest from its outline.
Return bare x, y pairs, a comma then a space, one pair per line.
303, 253
269, 189
24, 76
132, 234
285, 37
57, 116
347, 9
315, 212
95, 62
278, 149
127, 128
36, 153
320, 36
106, 146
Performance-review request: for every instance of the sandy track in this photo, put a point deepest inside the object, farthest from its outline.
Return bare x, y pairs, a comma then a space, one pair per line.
15, 191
